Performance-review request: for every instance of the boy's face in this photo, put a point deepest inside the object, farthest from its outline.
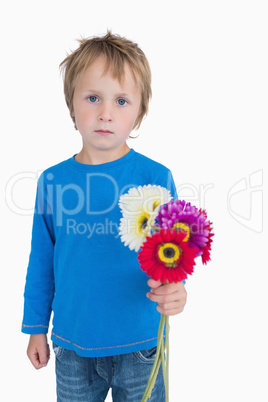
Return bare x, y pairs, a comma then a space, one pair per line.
101, 103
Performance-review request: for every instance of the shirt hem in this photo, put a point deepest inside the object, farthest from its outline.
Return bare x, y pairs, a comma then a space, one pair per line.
104, 350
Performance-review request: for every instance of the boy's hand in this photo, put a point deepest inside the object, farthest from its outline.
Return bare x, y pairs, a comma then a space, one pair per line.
38, 350
171, 298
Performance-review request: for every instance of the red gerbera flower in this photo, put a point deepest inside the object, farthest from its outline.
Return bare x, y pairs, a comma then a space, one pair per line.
207, 248
165, 256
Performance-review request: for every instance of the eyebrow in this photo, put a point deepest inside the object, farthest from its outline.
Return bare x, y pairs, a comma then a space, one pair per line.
100, 92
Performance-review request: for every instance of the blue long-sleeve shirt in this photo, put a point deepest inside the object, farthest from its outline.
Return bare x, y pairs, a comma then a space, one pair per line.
78, 266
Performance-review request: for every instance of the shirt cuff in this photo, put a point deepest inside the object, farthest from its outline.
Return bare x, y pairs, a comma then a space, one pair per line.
34, 329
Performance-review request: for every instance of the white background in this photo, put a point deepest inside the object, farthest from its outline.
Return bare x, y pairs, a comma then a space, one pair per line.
207, 123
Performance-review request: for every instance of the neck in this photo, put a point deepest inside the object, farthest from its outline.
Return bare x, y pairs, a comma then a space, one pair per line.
98, 156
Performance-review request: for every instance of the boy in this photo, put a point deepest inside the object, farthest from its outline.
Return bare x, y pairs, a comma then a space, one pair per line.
104, 328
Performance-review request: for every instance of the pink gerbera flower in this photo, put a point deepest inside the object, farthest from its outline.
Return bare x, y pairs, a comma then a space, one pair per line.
183, 216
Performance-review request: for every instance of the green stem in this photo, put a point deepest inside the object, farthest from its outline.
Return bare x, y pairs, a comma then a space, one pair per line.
167, 357
164, 364
147, 394
157, 361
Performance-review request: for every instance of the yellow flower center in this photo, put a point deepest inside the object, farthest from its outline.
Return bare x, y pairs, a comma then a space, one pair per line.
142, 222
156, 204
184, 227
169, 253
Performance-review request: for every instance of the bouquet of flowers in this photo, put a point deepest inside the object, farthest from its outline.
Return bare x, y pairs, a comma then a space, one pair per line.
169, 235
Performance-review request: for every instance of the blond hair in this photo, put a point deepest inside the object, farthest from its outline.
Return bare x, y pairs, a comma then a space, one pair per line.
117, 51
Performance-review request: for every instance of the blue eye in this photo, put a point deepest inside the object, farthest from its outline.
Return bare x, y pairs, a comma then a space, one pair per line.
122, 102
92, 98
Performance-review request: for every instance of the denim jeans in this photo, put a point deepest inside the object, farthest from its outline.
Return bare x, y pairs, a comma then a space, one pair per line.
128, 377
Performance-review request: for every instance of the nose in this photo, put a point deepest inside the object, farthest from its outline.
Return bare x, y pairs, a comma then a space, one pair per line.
105, 113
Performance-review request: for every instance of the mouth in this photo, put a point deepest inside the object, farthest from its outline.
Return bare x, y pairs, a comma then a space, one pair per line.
103, 132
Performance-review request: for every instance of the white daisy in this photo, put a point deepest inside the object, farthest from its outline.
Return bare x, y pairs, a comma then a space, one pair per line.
139, 208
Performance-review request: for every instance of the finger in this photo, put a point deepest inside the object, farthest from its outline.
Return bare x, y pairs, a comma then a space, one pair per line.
166, 298
48, 351
154, 284
34, 359
170, 312
171, 308
44, 356
169, 288
39, 359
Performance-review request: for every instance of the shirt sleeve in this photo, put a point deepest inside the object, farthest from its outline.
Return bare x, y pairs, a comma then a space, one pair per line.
39, 286
171, 186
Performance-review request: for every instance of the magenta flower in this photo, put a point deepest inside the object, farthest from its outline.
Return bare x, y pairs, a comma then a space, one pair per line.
183, 216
